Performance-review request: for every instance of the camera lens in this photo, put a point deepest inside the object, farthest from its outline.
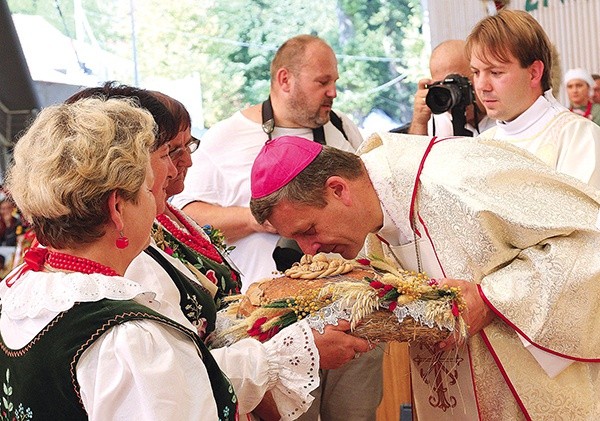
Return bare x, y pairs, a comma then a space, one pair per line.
439, 99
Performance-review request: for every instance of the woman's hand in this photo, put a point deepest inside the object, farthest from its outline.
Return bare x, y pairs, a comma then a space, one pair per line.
337, 347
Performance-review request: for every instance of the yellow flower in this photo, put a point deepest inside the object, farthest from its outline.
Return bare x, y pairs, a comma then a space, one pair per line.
404, 299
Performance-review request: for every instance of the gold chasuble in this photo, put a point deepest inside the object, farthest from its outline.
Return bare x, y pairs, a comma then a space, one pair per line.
491, 213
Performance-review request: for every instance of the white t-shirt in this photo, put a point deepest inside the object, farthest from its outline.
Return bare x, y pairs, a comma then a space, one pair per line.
220, 175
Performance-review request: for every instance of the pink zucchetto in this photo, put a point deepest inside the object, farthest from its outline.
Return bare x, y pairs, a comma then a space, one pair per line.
279, 161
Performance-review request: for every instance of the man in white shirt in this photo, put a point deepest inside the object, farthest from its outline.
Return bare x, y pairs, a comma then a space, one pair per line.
447, 58
510, 57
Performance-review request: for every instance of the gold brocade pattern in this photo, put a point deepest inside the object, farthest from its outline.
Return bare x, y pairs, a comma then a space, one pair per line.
488, 378
572, 395
500, 217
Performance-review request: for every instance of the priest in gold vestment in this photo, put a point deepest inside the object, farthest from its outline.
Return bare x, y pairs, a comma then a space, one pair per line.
521, 240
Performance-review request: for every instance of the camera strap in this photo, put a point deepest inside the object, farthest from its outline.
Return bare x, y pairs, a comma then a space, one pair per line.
268, 123
459, 120
476, 116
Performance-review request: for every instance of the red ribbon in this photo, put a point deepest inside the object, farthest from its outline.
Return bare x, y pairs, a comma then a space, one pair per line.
34, 259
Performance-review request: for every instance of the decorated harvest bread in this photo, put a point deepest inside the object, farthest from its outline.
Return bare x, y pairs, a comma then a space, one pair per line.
382, 302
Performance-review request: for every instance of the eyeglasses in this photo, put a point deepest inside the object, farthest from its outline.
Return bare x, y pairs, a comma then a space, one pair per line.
191, 146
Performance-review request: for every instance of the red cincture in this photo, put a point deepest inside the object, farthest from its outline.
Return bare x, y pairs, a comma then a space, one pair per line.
196, 242
38, 258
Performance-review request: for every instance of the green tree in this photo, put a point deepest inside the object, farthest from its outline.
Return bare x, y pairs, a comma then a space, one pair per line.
376, 42
230, 44
385, 29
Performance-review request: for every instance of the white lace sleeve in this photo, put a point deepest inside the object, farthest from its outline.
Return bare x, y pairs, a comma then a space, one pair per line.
294, 350
287, 365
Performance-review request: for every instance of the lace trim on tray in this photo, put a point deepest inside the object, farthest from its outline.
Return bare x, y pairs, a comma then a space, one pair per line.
328, 315
418, 310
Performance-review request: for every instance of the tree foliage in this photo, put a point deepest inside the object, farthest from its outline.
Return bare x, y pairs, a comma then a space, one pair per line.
230, 43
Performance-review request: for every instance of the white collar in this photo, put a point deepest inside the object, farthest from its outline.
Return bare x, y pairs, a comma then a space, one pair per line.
532, 115
529, 117
37, 293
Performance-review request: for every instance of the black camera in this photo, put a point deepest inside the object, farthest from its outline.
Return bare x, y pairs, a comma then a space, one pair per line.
455, 91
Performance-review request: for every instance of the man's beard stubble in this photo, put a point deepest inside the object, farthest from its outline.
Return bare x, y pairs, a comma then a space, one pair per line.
306, 117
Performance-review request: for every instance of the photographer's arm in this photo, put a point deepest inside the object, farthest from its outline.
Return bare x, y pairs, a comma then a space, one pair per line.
421, 112
235, 222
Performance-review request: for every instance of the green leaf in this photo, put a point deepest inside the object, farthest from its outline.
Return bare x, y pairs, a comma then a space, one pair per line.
282, 303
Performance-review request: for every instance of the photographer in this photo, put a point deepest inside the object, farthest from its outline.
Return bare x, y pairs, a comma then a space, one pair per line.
447, 58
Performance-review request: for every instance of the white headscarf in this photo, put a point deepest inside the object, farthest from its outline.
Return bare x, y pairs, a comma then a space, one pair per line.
580, 74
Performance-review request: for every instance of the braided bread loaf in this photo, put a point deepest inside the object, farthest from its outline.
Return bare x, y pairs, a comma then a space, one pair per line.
311, 273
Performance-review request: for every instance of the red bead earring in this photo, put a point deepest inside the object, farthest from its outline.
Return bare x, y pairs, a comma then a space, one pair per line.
122, 242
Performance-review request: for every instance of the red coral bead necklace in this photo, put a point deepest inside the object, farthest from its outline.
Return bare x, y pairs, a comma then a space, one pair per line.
37, 258
72, 263
192, 238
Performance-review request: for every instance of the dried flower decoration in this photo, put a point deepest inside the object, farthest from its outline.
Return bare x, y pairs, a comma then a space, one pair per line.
381, 304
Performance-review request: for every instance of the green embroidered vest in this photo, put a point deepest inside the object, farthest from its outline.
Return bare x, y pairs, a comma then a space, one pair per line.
39, 380
196, 302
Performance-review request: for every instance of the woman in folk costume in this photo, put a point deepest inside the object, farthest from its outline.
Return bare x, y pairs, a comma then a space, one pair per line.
179, 235
181, 238
288, 364
579, 84
82, 177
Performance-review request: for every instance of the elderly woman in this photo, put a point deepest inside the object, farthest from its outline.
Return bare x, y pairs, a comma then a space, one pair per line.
82, 177
178, 234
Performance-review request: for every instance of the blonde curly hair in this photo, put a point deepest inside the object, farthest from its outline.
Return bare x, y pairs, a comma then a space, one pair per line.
71, 159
